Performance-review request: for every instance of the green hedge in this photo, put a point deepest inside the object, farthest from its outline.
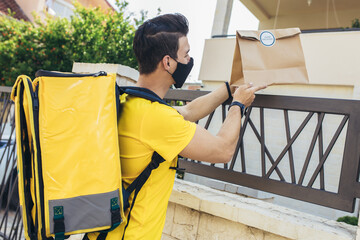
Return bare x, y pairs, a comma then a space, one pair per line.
355, 23
349, 220
92, 36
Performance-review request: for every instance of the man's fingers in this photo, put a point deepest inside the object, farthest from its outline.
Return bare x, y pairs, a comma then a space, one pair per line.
257, 88
251, 87
246, 86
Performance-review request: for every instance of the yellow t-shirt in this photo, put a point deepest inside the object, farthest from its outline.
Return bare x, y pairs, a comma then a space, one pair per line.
145, 127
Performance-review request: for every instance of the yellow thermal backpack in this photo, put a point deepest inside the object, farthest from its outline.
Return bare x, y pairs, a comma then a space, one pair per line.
69, 171
68, 153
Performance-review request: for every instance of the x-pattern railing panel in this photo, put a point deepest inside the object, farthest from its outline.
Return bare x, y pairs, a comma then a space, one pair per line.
314, 155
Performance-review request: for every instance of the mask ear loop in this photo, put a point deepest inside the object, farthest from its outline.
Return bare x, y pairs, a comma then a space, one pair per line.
168, 72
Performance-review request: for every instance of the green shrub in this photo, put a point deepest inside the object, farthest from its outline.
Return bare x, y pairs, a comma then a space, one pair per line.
92, 36
348, 220
355, 23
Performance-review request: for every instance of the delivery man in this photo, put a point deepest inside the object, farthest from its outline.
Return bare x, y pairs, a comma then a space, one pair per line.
162, 50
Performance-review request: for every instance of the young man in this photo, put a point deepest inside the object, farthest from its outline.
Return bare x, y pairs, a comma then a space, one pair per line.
162, 51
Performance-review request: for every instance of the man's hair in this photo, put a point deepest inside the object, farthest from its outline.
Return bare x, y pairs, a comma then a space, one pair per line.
158, 37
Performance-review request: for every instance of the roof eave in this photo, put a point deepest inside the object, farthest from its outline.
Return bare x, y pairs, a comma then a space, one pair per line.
257, 9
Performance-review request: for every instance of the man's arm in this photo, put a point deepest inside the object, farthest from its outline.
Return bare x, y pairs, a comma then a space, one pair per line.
204, 105
219, 149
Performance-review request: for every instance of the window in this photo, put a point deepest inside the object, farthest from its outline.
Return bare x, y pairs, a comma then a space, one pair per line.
60, 8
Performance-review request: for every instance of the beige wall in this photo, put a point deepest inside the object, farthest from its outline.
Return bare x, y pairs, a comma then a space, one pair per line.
29, 6
313, 20
330, 58
217, 59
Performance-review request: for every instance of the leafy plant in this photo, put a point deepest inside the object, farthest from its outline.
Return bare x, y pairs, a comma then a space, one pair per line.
348, 220
355, 23
92, 35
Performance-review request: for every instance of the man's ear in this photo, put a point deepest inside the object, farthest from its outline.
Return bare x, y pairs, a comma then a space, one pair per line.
166, 62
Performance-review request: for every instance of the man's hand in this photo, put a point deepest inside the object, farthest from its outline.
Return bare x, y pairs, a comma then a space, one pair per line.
246, 93
220, 148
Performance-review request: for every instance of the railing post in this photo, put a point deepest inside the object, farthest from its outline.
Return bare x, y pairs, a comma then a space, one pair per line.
356, 95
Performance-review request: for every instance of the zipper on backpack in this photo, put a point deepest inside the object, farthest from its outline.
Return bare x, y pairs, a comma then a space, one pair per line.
44, 73
39, 160
101, 73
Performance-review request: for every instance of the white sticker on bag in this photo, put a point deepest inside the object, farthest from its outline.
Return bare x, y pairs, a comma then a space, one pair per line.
267, 38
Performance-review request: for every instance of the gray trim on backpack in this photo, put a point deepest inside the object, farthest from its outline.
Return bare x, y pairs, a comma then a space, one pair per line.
84, 212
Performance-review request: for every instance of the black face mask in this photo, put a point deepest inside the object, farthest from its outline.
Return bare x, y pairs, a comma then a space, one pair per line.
182, 72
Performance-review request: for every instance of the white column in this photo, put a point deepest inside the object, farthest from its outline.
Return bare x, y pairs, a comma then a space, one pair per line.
222, 17
358, 229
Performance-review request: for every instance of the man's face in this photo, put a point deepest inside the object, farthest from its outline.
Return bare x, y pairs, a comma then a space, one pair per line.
183, 51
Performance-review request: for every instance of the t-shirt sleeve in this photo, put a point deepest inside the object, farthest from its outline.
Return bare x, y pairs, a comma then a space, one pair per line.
166, 131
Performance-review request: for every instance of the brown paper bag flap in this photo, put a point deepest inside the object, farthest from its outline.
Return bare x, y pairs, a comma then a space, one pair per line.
278, 33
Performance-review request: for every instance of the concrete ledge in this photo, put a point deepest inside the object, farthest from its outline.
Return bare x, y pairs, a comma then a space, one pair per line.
125, 76
264, 216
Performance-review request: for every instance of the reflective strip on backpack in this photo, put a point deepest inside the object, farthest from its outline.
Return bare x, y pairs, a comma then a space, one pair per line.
84, 212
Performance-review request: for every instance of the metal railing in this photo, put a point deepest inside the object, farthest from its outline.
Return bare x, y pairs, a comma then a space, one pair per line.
303, 176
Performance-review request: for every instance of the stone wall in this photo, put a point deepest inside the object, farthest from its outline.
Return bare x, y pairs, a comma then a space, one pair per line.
197, 212
186, 223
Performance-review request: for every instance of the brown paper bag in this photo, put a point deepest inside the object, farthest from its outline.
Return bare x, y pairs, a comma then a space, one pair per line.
268, 57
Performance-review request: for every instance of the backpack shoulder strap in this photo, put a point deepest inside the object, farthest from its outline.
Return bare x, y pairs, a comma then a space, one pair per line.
143, 93
137, 184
